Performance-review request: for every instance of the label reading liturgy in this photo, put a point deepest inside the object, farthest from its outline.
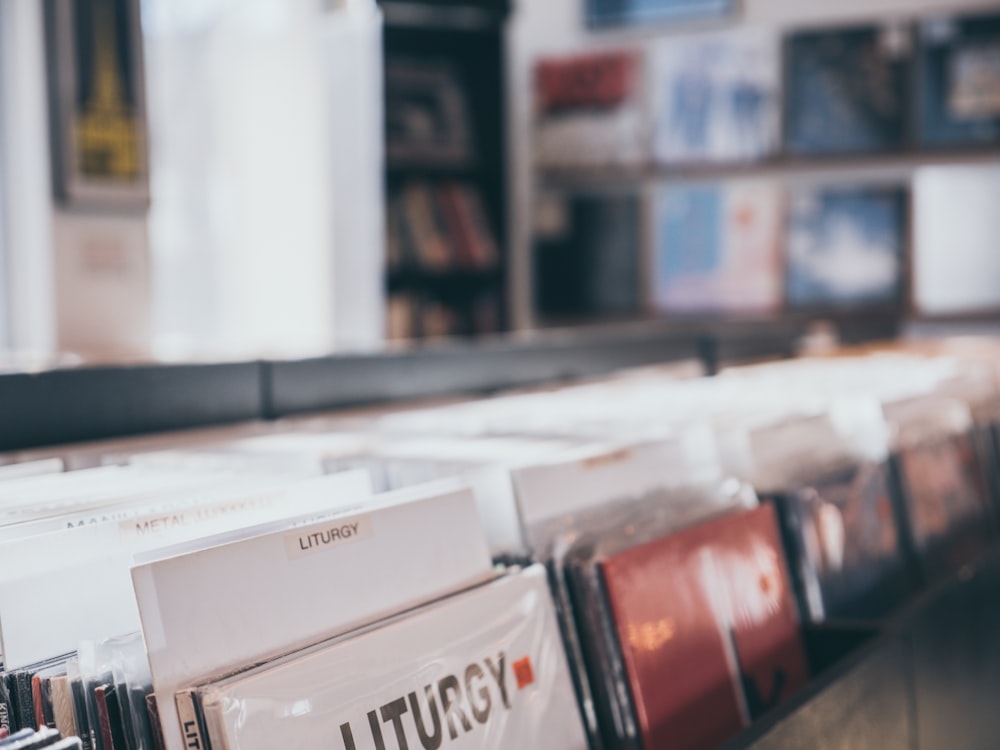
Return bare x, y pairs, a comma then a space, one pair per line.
336, 534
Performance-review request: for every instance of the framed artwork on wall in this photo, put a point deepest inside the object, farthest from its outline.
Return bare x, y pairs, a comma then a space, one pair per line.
97, 103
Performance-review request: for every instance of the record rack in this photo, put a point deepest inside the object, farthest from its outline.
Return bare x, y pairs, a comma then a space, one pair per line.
924, 676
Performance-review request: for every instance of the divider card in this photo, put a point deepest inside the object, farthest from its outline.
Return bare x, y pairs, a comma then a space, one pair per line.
85, 570
598, 475
482, 669
217, 609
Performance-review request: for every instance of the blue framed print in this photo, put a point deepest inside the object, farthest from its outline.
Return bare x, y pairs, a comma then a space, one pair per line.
615, 13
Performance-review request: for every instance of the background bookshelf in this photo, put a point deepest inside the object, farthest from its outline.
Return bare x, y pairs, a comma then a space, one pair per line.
445, 168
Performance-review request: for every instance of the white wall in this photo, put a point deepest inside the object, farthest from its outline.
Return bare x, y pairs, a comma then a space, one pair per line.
77, 282
956, 247
4, 288
266, 223
27, 187
541, 27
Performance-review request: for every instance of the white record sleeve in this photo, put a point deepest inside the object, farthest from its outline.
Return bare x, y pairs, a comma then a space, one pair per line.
481, 669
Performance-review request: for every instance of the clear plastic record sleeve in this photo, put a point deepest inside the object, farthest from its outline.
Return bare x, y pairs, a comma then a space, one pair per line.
844, 539
484, 668
944, 497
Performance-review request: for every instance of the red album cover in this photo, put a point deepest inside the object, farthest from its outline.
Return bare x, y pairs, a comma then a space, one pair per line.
708, 629
602, 80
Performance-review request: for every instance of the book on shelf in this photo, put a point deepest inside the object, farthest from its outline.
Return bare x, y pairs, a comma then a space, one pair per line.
590, 110
716, 97
440, 227
427, 114
587, 258
847, 90
845, 247
958, 79
718, 248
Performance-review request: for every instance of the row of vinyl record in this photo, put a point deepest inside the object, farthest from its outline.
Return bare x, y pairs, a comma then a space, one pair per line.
439, 227
751, 94
629, 562
759, 246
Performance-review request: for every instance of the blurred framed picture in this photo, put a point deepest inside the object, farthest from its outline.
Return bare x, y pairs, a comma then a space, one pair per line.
847, 90
959, 81
845, 248
612, 13
717, 248
97, 103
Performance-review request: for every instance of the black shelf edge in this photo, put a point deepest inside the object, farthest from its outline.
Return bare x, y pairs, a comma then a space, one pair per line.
73, 405
454, 368
92, 403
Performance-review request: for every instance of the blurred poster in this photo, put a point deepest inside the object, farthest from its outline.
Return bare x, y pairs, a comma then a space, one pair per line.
845, 247
716, 97
847, 90
589, 110
959, 79
98, 115
629, 12
718, 248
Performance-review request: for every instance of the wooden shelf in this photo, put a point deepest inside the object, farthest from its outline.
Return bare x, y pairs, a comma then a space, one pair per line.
900, 163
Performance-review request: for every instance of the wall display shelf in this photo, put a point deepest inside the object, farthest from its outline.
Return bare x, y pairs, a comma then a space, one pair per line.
858, 167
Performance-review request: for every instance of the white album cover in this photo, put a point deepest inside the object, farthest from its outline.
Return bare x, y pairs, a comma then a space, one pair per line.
482, 669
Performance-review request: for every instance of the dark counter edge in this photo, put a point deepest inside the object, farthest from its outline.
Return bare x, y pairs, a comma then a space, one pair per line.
61, 406
72, 405
490, 365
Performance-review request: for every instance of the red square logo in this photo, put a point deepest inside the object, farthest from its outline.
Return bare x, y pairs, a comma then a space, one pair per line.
524, 673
